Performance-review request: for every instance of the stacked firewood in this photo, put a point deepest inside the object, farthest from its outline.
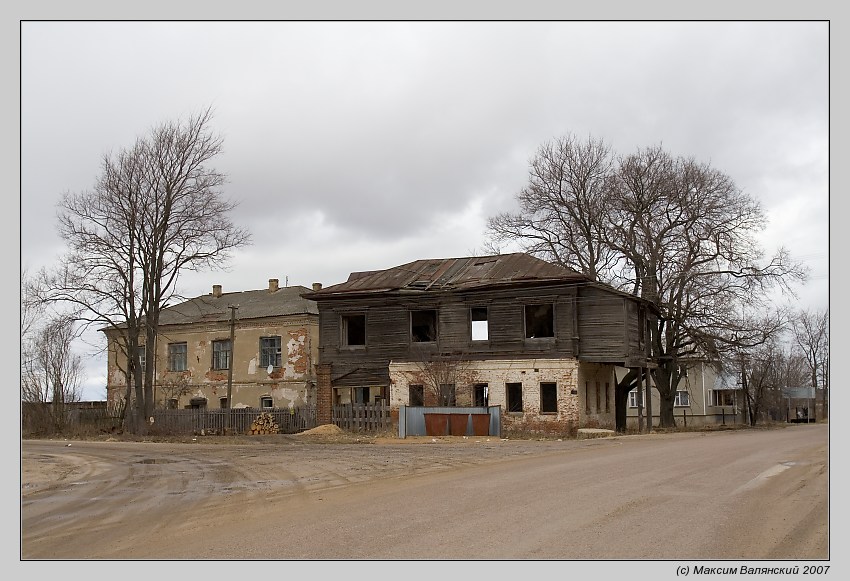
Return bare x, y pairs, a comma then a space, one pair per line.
264, 424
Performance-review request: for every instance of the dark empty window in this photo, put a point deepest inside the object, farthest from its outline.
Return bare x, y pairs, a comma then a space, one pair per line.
514, 393
548, 398
447, 394
361, 395
539, 321
480, 395
479, 324
423, 326
222, 403
353, 330
416, 395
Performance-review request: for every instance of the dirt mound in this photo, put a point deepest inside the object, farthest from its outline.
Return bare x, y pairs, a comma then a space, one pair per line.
323, 430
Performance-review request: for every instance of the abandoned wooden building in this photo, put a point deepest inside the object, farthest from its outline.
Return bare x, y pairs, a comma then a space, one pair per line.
539, 340
273, 352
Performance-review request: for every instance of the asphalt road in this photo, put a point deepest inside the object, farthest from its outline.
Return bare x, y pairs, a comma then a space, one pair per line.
747, 494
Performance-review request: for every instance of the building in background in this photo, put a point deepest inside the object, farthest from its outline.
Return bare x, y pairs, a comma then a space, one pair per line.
273, 353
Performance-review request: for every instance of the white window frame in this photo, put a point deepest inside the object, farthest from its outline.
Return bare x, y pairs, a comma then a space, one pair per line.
633, 398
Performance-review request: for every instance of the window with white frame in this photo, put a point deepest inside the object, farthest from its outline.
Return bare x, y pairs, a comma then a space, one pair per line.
143, 356
177, 356
266, 402
635, 398
682, 399
722, 397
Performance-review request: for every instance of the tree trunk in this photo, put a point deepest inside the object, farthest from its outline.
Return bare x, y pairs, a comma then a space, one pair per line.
666, 394
621, 398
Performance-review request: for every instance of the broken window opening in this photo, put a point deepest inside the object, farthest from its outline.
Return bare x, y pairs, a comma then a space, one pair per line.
514, 393
447, 395
222, 403
361, 394
548, 398
416, 395
354, 330
539, 321
423, 326
270, 351
480, 395
479, 324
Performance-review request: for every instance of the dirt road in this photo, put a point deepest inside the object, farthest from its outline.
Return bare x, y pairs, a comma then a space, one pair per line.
751, 494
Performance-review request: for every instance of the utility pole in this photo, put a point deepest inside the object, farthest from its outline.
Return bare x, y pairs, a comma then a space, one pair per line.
230, 362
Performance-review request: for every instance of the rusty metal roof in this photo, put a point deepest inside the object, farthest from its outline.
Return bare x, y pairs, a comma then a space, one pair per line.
452, 274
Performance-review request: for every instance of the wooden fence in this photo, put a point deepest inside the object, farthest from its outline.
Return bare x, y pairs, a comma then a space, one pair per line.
362, 417
214, 421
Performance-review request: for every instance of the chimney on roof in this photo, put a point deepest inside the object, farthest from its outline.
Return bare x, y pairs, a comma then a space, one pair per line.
216, 290
317, 286
273, 285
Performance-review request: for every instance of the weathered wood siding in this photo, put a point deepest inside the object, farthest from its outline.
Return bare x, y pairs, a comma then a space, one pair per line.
589, 322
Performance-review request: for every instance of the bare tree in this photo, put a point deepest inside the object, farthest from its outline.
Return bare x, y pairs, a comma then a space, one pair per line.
51, 371
155, 212
811, 335
442, 373
677, 233
562, 215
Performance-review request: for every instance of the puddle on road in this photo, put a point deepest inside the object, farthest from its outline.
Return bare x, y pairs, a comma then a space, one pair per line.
155, 461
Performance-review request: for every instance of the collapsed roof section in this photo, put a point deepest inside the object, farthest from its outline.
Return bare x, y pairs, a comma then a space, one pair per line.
452, 274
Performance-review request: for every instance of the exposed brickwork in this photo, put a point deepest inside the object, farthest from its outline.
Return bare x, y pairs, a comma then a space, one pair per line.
324, 394
568, 375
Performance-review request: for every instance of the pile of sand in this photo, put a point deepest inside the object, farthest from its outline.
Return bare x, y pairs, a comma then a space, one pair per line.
323, 430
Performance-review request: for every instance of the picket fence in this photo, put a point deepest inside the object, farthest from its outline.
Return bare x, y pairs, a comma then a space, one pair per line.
216, 421
362, 417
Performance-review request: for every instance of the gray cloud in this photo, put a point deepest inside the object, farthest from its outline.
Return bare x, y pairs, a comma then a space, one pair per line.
361, 145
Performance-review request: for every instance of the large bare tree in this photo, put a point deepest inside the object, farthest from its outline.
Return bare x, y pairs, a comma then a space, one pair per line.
811, 335
562, 209
673, 231
156, 211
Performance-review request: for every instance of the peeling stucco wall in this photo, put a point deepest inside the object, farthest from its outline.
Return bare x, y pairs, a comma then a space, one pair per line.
292, 384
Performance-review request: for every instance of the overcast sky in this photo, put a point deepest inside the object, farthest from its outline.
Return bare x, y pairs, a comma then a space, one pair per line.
363, 145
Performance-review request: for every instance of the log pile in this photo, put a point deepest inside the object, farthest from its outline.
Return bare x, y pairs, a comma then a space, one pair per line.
264, 424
